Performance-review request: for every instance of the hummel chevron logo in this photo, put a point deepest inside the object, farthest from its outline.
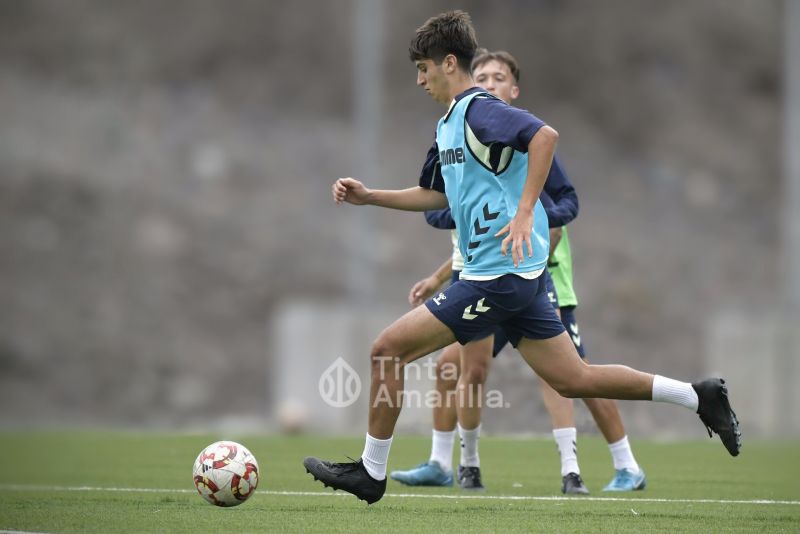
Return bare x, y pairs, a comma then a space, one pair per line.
575, 335
479, 308
480, 230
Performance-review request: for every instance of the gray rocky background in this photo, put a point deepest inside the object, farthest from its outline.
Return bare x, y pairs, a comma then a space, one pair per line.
165, 170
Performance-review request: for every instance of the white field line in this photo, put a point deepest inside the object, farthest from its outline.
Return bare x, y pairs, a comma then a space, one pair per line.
21, 487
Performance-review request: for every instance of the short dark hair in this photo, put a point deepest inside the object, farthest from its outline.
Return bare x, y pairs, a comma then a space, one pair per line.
483, 56
446, 33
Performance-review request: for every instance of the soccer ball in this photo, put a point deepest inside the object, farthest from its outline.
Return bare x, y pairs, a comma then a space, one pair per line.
225, 473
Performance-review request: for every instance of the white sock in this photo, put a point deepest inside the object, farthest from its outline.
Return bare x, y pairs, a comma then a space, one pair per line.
375, 456
442, 449
469, 446
675, 392
622, 455
566, 440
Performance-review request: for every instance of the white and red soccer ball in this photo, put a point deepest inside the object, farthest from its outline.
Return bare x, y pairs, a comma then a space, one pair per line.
225, 473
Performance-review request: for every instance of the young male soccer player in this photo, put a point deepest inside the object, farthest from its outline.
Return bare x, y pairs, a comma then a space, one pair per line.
498, 73
462, 370
493, 162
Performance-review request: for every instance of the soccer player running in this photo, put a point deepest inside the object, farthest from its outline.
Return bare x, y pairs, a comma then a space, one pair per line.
492, 167
498, 73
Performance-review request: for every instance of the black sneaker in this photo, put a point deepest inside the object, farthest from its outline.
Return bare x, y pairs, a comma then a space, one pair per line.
573, 483
715, 412
469, 478
351, 477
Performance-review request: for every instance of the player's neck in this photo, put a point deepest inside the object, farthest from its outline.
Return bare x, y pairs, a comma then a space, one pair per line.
459, 84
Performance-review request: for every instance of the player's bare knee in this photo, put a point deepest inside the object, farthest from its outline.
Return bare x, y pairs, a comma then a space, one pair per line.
569, 392
475, 374
386, 344
565, 388
382, 356
447, 369
378, 350
575, 386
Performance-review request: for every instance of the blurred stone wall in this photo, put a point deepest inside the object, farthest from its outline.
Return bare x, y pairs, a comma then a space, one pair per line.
165, 170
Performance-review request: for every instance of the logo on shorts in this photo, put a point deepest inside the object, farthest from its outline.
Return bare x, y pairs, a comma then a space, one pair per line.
574, 334
479, 308
439, 298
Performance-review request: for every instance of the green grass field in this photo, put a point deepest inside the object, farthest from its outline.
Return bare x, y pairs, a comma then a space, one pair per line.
141, 482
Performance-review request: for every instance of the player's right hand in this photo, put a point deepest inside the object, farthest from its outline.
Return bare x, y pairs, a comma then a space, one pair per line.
351, 191
519, 234
422, 291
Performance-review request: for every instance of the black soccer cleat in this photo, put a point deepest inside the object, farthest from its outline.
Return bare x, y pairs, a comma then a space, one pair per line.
469, 478
715, 412
572, 483
351, 477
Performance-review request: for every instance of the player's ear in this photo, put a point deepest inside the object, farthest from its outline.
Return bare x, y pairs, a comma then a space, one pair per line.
514, 92
449, 64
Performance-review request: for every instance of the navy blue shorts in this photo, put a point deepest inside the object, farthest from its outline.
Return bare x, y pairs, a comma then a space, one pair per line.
519, 307
567, 319
571, 326
500, 339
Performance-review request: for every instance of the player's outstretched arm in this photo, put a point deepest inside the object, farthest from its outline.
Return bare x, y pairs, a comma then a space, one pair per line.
417, 198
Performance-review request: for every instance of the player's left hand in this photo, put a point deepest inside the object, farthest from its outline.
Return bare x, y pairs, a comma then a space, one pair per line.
422, 291
351, 191
519, 234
